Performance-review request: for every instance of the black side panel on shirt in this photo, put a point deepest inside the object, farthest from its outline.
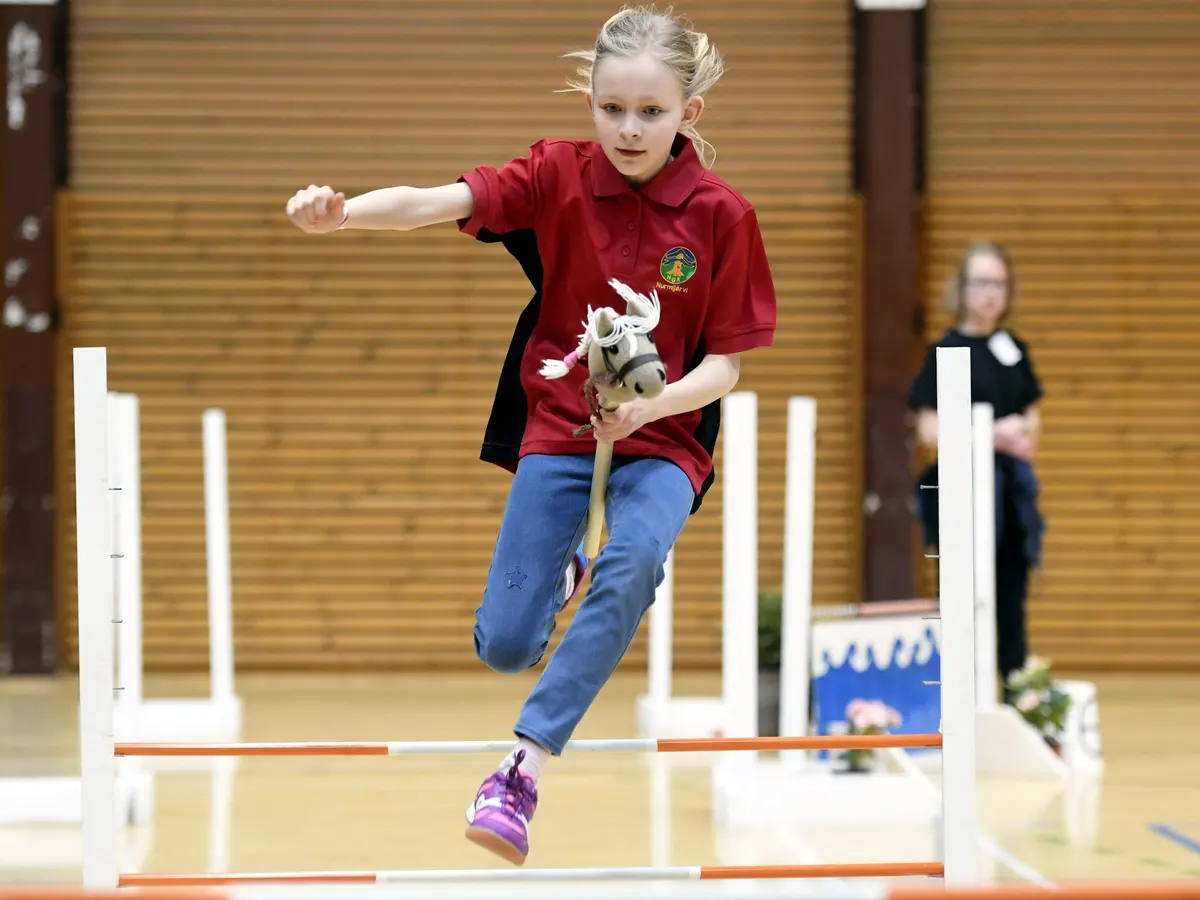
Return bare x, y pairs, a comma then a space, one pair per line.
708, 429
510, 407
1009, 389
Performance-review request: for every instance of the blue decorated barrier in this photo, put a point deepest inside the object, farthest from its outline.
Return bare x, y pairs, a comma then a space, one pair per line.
885, 659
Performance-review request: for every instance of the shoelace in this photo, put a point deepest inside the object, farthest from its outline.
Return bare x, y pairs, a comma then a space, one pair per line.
515, 795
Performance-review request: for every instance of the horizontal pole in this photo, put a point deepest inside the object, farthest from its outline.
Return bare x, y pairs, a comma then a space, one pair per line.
826, 870
410, 748
1080, 890
135, 748
76, 892
879, 608
350, 748
210, 880
813, 742
628, 873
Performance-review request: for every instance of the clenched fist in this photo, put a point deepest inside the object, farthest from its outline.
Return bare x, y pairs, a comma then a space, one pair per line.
317, 210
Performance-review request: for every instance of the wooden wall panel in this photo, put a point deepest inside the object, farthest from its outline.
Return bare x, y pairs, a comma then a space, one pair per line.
1067, 97
1068, 131
192, 94
357, 370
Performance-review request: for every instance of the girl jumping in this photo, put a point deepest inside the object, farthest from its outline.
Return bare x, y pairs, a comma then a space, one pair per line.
640, 205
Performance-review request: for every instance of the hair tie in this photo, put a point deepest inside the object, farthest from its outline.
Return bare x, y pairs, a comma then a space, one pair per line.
557, 368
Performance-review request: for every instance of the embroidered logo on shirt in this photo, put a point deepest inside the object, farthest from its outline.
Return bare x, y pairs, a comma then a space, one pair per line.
678, 265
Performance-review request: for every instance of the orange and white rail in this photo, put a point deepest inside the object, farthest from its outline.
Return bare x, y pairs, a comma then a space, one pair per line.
99, 752
643, 745
497, 876
297, 890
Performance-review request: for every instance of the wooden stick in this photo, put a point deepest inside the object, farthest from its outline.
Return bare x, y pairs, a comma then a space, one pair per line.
595, 523
600, 470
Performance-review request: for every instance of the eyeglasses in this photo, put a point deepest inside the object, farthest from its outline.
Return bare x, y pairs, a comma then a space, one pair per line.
999, 283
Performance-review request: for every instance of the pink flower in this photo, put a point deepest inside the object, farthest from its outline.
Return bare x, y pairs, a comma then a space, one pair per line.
865, 714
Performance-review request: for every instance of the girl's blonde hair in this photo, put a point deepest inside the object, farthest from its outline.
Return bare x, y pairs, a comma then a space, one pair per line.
688, 52
957, 284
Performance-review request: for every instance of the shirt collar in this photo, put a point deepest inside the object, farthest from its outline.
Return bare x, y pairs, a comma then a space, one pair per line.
671, 186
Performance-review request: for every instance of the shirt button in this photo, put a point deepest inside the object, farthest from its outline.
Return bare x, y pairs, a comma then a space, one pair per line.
631, 226
624, 251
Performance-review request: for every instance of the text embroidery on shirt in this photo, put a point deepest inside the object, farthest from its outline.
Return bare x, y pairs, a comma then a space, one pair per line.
677, 266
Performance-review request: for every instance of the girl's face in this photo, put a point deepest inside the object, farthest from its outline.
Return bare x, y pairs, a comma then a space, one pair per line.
638, 107
985, 290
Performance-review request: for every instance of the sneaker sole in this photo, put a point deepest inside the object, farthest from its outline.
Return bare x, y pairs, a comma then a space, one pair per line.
491, 841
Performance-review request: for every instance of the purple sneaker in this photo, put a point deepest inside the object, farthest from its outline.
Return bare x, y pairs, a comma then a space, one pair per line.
499, 817
576, 570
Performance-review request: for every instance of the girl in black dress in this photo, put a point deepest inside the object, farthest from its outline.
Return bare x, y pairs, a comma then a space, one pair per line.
981, 296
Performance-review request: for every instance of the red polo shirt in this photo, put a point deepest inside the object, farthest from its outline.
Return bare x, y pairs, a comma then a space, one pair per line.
573, 223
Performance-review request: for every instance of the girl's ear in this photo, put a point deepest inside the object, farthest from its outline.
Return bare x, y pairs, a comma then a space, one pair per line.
692, 111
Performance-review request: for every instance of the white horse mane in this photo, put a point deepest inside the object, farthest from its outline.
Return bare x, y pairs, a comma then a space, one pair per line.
625, 326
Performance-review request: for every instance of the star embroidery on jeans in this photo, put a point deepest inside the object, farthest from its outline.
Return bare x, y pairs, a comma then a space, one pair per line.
516, 578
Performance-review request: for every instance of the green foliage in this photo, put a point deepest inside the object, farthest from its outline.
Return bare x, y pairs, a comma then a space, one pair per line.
1036, 697
770, 629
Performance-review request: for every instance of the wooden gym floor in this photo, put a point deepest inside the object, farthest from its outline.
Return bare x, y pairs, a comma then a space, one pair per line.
1141, 821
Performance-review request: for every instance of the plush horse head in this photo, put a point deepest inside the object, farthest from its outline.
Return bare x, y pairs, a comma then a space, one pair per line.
623, 361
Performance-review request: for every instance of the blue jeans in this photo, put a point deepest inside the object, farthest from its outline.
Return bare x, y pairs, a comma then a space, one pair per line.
648, 503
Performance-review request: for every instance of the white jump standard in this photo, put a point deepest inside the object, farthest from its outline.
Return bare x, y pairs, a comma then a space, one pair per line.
217, 717
57, 800
660, 713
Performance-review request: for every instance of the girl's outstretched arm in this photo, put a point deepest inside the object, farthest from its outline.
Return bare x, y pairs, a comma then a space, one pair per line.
319, 210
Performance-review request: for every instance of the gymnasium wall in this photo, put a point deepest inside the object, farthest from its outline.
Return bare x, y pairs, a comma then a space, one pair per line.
1068, 131
357, 370
3, 560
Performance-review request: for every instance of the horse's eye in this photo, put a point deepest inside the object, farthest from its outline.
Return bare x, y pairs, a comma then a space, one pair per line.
650, 335
610, 350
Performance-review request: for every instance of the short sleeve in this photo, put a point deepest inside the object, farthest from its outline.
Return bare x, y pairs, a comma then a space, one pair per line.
506, 199
742, 305
923, 393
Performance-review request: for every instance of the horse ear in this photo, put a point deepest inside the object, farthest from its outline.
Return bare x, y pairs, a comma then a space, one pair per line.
605, 322
635, 307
